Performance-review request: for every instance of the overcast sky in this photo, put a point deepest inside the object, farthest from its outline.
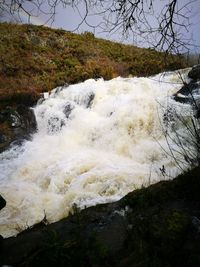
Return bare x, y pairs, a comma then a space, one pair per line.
69, 19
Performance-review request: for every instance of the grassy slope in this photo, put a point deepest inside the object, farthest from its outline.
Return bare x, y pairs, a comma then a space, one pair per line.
36, 59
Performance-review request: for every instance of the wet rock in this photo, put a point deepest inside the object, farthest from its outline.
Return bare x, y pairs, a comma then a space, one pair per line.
2, 202
3, 138
90, 100
27, 118
16, 124
11, 116
182, 98
195, 73
190, 93
187, 93
188, 89
67, 110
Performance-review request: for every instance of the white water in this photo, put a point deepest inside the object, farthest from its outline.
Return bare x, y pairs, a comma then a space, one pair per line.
96, 155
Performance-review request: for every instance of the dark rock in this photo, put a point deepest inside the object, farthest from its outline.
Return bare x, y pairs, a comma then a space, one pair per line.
68, 109
197, 114
11, 116
182, 99
3, 138
186, 93
188, 89
190, 94
2, 202
195, 73
196, 224
90, 100
19, 123
28, 118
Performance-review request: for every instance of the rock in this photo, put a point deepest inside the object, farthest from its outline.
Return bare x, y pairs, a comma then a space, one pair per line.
2, 202
188, 89
67, 110
11, 116
16, 124
195, 73
196, 223
3, 138
190, 93
90, 100
187, 92
28, 118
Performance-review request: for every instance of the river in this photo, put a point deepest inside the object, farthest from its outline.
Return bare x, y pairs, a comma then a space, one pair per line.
96, 141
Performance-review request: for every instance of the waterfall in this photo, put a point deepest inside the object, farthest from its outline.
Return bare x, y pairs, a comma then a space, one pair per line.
96, 141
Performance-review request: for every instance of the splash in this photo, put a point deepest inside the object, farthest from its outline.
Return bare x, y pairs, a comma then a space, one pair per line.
96, 141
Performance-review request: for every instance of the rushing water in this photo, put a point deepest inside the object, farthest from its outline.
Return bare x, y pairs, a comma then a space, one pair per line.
96, 141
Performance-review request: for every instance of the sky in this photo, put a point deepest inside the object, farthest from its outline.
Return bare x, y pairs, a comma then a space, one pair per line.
69, 18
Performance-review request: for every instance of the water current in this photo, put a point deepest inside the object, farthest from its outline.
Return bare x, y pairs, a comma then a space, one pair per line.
96, 141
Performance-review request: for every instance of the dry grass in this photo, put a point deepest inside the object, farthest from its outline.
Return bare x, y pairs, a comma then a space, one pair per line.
36, 59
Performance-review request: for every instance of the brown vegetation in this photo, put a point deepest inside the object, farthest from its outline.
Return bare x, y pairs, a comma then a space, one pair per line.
36, 59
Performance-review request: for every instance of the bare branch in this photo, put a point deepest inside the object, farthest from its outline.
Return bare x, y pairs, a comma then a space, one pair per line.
165, 30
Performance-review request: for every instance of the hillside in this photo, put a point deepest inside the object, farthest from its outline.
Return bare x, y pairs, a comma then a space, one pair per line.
35, 59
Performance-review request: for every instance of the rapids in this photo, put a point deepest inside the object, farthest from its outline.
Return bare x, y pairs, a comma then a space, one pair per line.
96, 141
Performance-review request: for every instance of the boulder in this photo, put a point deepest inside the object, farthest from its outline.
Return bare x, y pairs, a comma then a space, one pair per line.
28, 120
185, 94
190, 92
188, 89
194, 74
